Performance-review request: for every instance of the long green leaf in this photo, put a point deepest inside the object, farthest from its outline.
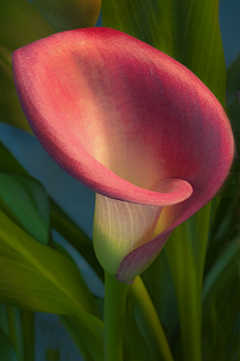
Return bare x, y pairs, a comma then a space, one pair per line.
218, 277
186, 251
20, 24
75, 236
162, 292
90, 330
59, 219
187, 30
221, 306
38, 278
7, 350
148, 322
25, 201
18, 325
69, 14
224, 227
73, 328
28, 334
135, 347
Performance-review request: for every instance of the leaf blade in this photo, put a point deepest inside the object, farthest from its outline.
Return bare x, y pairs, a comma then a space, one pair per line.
30, 268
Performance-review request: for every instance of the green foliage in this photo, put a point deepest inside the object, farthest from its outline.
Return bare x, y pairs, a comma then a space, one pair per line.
7, 351
20, 24
186, 30
186, 251
31, 268
75, 236
69, 14
25, 201
221, 300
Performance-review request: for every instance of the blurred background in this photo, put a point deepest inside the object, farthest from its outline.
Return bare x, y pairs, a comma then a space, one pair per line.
52, 341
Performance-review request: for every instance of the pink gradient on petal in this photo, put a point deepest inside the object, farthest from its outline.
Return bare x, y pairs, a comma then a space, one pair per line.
121, 117
121, 227
139, 259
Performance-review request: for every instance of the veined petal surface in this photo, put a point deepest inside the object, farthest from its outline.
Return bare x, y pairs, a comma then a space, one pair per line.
123, 117
121, 227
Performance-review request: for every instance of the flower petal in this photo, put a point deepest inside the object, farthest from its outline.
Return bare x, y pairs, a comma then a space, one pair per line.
123, 117
121, 227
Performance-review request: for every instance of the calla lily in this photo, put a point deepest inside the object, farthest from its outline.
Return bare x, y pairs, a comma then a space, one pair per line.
133, 125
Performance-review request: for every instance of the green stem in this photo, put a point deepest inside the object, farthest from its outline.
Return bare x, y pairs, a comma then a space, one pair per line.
114, 309
148, 322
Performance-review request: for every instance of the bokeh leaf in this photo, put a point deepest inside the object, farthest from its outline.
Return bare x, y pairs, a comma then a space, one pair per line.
28, 334
224, 227
18, 325
69, 14
187, 30
221, 312
25, 201
38, 278
91, 336
186, 250
20, 24
7, 350
218, 278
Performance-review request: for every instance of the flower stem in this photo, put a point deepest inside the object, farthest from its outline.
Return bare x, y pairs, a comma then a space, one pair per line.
114, 309
148, 322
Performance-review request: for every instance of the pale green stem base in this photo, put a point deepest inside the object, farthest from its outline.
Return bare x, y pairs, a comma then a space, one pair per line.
114, 309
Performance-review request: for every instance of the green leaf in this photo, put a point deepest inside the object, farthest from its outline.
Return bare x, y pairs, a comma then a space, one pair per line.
219, 275
162, 292
20, 24
59, 219
18, 326
186, 250
224, 225
28, 334
7, 350
69, 14
38, 278
75, 236
148, 322
25, 201
73, 329
135, 348
221, 312
187, 30
89, 330
8, 163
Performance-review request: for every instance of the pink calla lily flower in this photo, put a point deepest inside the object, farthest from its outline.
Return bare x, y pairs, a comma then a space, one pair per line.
133, 125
